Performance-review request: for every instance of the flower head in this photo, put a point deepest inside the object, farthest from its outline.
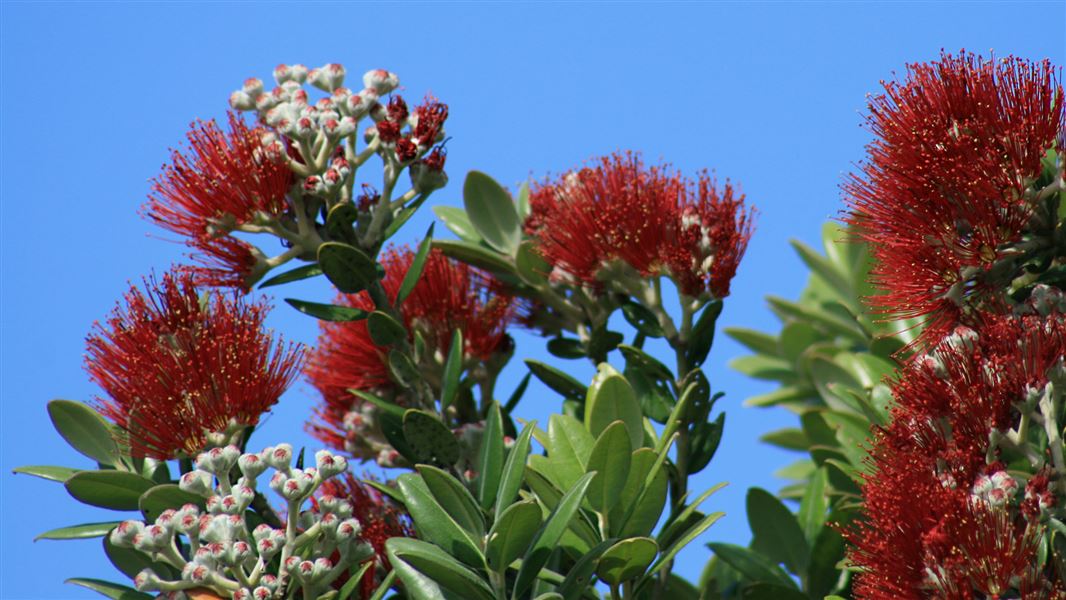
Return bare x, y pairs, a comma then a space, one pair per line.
650, 218
449, 296
942, 195
177, 367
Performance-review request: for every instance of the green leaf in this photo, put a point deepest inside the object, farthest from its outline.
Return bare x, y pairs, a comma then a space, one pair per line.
77, 532
812, 512
751, 565
579, 575
702, 337
685, 520
626, 560
354, 580
51, 473
761, 366
166, 496
414, 272
385, 330
517, 394
557, 380
111, 590
512, 533
347, 267
609, 460
548, 535
474, 254
645, 499
117, 490
297, 274
490, 456
770, 591
789, 438
569, 446
514, 469
530, 265
492, 212
756, 341
84, 429
456, 220
403, 216
339, 221
796, 337
566, 348
693, 532
827, 550
783, 395
648, 364
705, 439
435, 525
327, 312
440, 567
430, 439
776, 532
829, 322
454, 498
401, 368
825, 269
131, 562
610, 398
523, 201
453, 369
642, 319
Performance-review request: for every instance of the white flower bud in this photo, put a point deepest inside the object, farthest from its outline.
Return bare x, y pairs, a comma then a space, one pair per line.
197, 482
348, 530
358, 105
265, 102
286, 73
253, 86
146, 581
125, 532
321, 568
279, 457
252, 465
195, 572
330, 464
153, 539
381, 81
327, 77
243, 594
188, 519
262, 593
241, 101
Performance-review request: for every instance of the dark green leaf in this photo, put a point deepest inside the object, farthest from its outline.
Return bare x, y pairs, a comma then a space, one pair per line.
347, 267
327, 312
111, 590
476, 255
162, 497
641, 500
84, 429
430, 439
512, 533
454, 498
569, 446
813, 508
609, 460
517, 394
453, 369
440, 567
705, 439
490, 457
354, 580
562, 383
414, 272
492, 212
691, 534
702, 337
645, 362
530, 265
117, 490
435, 525
339, 222
402, 369
626, 560
827, 551
777, 533
579, 576
770, 591
77, 532
60, 474
753, 566
566, 348
131, 562
642, 319
297, 274
514, 469
548, 535
385, 330
610, 398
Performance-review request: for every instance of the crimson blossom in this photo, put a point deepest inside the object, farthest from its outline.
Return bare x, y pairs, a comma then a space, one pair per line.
449, 296
178, 368
650, 218
945, 513
222, 181
942, 199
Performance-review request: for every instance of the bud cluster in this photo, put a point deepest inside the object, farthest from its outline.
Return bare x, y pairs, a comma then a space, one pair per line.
223, 552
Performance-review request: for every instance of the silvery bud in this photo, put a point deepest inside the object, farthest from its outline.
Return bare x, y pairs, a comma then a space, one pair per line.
243, 594
146, 581
330, 464
187, 519
284, 73
381, 81
241, 101
197, 482
327, 77
279, 457
252, 465
348, 530
125, 532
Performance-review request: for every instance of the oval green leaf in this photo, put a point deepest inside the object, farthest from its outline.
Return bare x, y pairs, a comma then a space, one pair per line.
492, 212
347, 267
512, 533
626, 560
610, 398
84, 429
610, 460
117, 490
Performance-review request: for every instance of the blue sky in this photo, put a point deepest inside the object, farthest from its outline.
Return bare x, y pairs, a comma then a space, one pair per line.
769, 94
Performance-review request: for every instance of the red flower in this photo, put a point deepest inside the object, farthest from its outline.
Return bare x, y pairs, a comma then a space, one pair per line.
652, 219
176, 368
223, 180
224, 262
939, 521
941, 195
449, 296
380, 518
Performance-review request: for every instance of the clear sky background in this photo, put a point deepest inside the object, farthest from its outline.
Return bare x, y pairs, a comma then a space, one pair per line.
769, 94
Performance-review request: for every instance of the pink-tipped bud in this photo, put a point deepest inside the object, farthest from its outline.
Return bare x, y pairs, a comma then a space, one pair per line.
330, 464
251, 465
241, 101
262, 593
381, 81
286, 73
195, 572
187, 519
265, 102
125, 532
327, 77
197, 482
279, 457
358, 105
146, 581
243, 594
253, 87
339, 96
348, 530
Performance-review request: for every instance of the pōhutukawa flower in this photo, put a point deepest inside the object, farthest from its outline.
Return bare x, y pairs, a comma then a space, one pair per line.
945, 198
449, 296
943, 517
177, 368
650, 219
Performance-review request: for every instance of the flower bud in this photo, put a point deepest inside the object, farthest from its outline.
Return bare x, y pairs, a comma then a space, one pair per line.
428, 174
265, 102
348, 530
152, 539
197, 482
252, 466
285, 73
146, 581
262, 593
381, 81
358, 105
321, 568
241, 101
195, 572
327, 77
330, 464
279, 456
243, 594
125, 532
187, 519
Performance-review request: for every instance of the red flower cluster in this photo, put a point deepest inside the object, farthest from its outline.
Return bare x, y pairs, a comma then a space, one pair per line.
450, 295
941, 197
176, 368
222, 181
381, 520
424, 132
650, 218
939, 520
